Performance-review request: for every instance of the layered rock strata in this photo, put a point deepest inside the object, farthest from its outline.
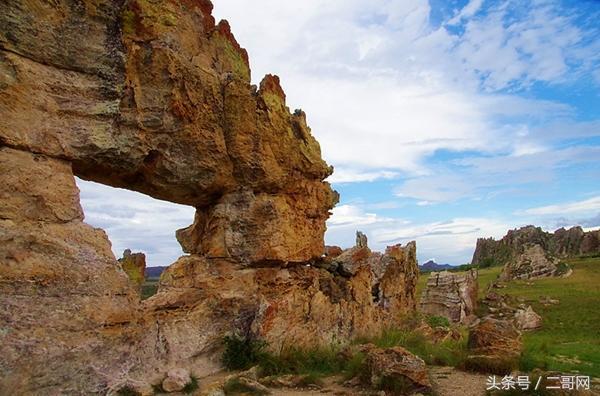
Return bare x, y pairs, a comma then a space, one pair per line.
452, 295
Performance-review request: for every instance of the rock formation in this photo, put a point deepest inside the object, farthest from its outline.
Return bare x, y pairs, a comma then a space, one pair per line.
452, 295
394, 366
494, 346
503, 307
533, 263
134, 265
562, 243
68, 313
527, 319
156, 97
287, 307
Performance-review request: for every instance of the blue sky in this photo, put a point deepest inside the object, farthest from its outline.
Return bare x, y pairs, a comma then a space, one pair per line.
445, 120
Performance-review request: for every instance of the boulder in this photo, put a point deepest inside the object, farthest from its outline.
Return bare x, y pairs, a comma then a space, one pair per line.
452, 295
332, 251
527, 319
176, 380
396, 366
494, 346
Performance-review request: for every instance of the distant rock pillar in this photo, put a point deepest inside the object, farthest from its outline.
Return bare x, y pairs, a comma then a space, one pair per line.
134, 265
361, 240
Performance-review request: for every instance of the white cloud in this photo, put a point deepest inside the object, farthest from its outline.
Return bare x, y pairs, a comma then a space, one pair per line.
486, 177
587, 206
384, 89
135, 221
344, 175
468, 11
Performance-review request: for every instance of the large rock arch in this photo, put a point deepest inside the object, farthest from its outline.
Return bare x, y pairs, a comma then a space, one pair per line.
154, 96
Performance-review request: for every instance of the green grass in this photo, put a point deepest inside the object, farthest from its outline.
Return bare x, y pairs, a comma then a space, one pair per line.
149, 287
242, 353
437, 321
316, 362
447, 353
569, 340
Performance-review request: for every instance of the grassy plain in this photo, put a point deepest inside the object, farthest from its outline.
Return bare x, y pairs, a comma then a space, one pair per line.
569, 340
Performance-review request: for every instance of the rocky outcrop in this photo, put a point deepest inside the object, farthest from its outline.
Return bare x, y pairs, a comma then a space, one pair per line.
562, 243
134, 265
534, 263
503, 307
298, 306
494, 346
68, 313
156, 97
452, 295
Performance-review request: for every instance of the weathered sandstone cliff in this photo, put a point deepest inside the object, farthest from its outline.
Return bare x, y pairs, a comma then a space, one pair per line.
154, 96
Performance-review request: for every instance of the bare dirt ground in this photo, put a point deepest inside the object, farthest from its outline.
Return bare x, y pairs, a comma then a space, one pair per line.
446, 381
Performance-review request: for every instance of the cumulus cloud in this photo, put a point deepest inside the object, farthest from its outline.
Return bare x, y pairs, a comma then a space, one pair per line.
384, 88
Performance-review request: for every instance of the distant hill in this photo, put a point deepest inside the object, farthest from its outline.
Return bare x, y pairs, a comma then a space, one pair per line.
154, 272
431, 266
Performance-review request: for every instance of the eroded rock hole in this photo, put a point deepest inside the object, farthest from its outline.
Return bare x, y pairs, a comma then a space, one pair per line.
141, 230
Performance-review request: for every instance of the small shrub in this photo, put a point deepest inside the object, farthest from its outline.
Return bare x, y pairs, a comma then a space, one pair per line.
395, 385
241, 353
355, 367
438, 321
561, 269
127, 391
318, 361
191, 386
487, 262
